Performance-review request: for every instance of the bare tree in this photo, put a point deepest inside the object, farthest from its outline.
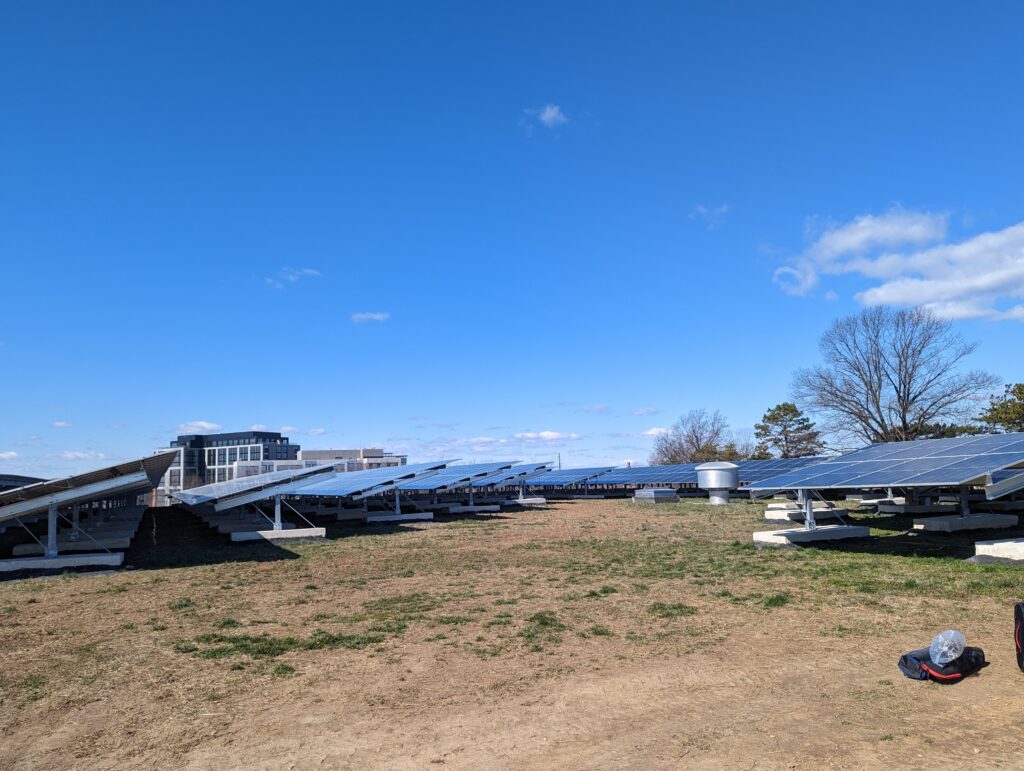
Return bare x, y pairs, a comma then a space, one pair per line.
891, 375
696, 437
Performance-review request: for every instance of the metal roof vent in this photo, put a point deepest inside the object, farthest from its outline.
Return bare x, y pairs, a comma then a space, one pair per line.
718, 479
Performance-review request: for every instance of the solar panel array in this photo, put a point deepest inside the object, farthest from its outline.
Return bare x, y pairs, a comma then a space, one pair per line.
567, 477
512, 476
220, 490
677, 474
358, 482
686, 473
921, 463
456, 476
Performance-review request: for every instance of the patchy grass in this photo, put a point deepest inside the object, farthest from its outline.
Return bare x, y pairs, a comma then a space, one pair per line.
218, 646
670, 610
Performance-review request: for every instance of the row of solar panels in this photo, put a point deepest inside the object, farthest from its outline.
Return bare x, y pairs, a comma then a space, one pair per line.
325, 482
975, 460
680, 474
989, 460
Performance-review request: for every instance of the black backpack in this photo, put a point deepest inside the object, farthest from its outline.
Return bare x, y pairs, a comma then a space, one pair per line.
918, 665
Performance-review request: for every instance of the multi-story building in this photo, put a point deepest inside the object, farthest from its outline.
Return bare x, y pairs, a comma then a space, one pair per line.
355, 460
206, 458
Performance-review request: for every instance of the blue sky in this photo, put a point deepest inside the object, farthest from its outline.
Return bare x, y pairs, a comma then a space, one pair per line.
483, 230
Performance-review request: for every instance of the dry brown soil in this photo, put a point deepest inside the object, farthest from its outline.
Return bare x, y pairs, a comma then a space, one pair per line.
593, 634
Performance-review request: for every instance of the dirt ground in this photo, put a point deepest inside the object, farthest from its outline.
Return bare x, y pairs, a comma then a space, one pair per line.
593, 634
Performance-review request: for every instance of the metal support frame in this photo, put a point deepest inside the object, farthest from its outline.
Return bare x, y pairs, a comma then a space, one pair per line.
277, 512
808, 501
50, 550
965, 505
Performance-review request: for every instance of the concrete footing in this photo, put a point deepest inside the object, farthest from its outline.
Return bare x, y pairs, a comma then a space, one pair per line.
279, 535
532, 501
412, 516
800, 536
1008, 549
905, 508
486, 509
955, 523
797, 515
61, 561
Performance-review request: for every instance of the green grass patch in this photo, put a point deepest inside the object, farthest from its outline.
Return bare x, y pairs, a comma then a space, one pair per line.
215, 645
776, 600
670, 610
185, 603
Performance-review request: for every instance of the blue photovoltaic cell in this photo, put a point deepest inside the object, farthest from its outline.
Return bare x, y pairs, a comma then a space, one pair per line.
513, 476
920, 463
455, 476
356, 482
220, 490
686, 473
567, 477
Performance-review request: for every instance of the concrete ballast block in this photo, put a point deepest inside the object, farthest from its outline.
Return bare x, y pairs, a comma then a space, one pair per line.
798, 536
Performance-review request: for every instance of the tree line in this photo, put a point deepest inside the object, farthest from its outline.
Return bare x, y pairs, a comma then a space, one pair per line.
886, 375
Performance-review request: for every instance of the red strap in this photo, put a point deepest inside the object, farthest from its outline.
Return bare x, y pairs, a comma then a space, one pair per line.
939, 675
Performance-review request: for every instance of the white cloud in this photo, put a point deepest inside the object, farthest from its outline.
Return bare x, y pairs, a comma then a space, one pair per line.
8, 455
711, 216
288, 430
258, 427
656, 431
551, 115
545, 436
979, 277
643, 411
833, 245
317, 431
597, 409
62, 424
831, 296
362, 316
198, 427
290, 276
82, 455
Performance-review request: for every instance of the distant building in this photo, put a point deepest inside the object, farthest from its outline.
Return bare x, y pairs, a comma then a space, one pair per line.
355, 460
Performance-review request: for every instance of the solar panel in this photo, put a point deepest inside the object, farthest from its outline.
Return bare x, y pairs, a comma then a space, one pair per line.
641, 475
568, 477
217, 491
362, 482
920, 463
135, 476
456, 476
512, 476
686, 473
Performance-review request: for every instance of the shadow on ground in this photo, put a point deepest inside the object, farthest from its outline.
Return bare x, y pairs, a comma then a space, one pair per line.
898, 538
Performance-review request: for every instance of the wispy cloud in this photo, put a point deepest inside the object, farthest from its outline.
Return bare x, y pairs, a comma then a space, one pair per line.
546, 436
317, 431
82, 455
364, 316
258, 427
288, 430
911, 262
597, 409
288, 276
62, 424
644, 411
550, 116
8, 455
711, 216
655, 431
198, 427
